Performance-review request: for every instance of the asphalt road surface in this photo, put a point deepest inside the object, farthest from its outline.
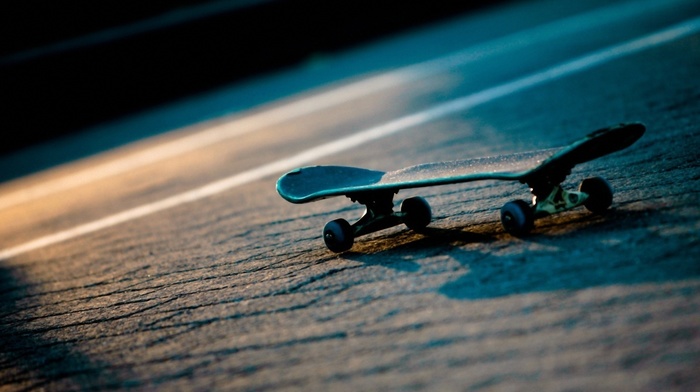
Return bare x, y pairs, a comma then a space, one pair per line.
172, 263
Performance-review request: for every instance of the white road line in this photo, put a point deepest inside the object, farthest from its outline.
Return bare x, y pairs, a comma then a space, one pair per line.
239, 126
401, 124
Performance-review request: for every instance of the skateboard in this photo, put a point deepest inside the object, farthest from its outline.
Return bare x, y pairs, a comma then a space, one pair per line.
543, 171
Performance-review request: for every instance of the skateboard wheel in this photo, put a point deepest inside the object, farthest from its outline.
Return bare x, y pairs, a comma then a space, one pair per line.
417, 213
517, 217
338, 235
600, 194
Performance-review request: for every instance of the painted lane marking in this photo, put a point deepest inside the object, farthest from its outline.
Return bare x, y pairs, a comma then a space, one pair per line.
401, 124
250, 123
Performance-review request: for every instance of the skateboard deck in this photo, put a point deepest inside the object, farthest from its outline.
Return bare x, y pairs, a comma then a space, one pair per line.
541, 170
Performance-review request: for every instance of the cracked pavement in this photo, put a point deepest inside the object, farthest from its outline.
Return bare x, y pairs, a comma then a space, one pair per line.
236, 291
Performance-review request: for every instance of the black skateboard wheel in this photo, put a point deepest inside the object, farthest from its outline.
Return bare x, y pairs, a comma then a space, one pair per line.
600, 194
417, 213
517, 217
338, 235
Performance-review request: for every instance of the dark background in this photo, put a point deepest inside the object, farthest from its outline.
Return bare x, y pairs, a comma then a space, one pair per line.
69, 65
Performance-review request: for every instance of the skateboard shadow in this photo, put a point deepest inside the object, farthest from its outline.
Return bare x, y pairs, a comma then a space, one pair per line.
31, 360
411, 246
573, 252
613, 249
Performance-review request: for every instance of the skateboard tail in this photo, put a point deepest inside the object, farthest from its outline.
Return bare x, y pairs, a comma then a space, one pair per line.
595, 145
312, 183
605, 141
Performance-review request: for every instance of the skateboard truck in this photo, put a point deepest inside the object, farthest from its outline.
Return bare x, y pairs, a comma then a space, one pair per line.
339, 235
518, 217
558, 200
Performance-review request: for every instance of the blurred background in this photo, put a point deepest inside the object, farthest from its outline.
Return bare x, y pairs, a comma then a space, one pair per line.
70, 67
